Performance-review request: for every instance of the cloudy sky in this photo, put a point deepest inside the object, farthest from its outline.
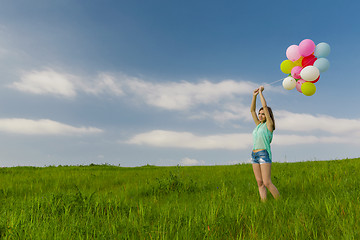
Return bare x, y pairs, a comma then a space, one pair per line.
170, 82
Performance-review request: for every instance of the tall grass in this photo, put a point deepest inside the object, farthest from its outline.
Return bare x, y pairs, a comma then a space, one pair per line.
319, 200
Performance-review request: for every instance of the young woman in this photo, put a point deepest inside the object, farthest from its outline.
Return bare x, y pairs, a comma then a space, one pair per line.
261, 154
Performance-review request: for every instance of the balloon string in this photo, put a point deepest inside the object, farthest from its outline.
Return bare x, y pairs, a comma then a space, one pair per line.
274, 82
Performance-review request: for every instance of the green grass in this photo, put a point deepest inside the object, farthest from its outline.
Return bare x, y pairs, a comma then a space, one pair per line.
319, 200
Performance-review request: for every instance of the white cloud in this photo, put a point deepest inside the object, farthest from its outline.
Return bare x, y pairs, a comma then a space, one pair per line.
42, 127
309, 123
184, 95
51, 82
104, 84
310, 129
46, 82
223, 99
191, 162
292, 139
227, 112
171, 139
162, 138
166, 95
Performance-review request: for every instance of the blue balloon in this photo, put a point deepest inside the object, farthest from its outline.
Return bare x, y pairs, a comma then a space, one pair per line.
322, 50
322, 64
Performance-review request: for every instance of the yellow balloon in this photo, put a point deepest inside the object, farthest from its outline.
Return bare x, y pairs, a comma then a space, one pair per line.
299, 62
286, 66
308, 88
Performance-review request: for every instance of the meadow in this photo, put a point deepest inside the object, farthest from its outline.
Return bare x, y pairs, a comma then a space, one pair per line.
319, 200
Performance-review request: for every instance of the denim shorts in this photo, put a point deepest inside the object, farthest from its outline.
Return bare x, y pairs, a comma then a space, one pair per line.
260, 157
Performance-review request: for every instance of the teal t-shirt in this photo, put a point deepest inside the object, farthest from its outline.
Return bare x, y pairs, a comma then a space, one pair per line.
262, 138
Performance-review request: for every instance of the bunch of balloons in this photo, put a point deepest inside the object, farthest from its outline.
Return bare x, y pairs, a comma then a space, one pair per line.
304, 64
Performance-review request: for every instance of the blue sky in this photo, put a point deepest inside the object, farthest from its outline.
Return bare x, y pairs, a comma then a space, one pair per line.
170, 82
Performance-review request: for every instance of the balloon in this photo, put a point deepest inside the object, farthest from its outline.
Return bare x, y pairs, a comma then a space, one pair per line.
308, 61
322, 64
304, 64
299, 83
306, 47
322, 50
295, 72
289, 83
292, 53
286, 66
310, 73
308, 88
315, 80
299, 62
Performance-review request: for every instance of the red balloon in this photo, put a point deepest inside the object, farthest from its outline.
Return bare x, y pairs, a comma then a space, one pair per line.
309, 60
315, 80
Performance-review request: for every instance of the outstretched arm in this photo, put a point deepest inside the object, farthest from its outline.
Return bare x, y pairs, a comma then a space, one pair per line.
269, 121
253, 107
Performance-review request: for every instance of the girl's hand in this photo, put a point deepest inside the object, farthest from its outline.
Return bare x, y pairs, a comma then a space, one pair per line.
256, 92
261, 88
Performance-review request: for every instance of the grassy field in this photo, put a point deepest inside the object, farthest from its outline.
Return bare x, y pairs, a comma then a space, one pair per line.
319, 200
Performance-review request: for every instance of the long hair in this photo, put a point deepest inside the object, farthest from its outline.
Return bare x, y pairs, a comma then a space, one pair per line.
271, 114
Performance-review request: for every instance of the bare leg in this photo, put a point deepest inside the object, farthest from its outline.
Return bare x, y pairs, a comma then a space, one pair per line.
260, 182
266, 177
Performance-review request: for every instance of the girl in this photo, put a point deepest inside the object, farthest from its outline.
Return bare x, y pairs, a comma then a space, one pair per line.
261, 154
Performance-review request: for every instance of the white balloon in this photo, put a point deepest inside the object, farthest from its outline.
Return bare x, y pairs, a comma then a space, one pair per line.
289, 83
310, 73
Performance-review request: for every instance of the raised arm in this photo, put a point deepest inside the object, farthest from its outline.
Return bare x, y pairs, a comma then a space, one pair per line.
269, 121
253, 107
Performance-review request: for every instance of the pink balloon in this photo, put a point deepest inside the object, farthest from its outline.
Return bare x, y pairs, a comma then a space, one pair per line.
295, 72
306, 47
298, 84
292, 53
